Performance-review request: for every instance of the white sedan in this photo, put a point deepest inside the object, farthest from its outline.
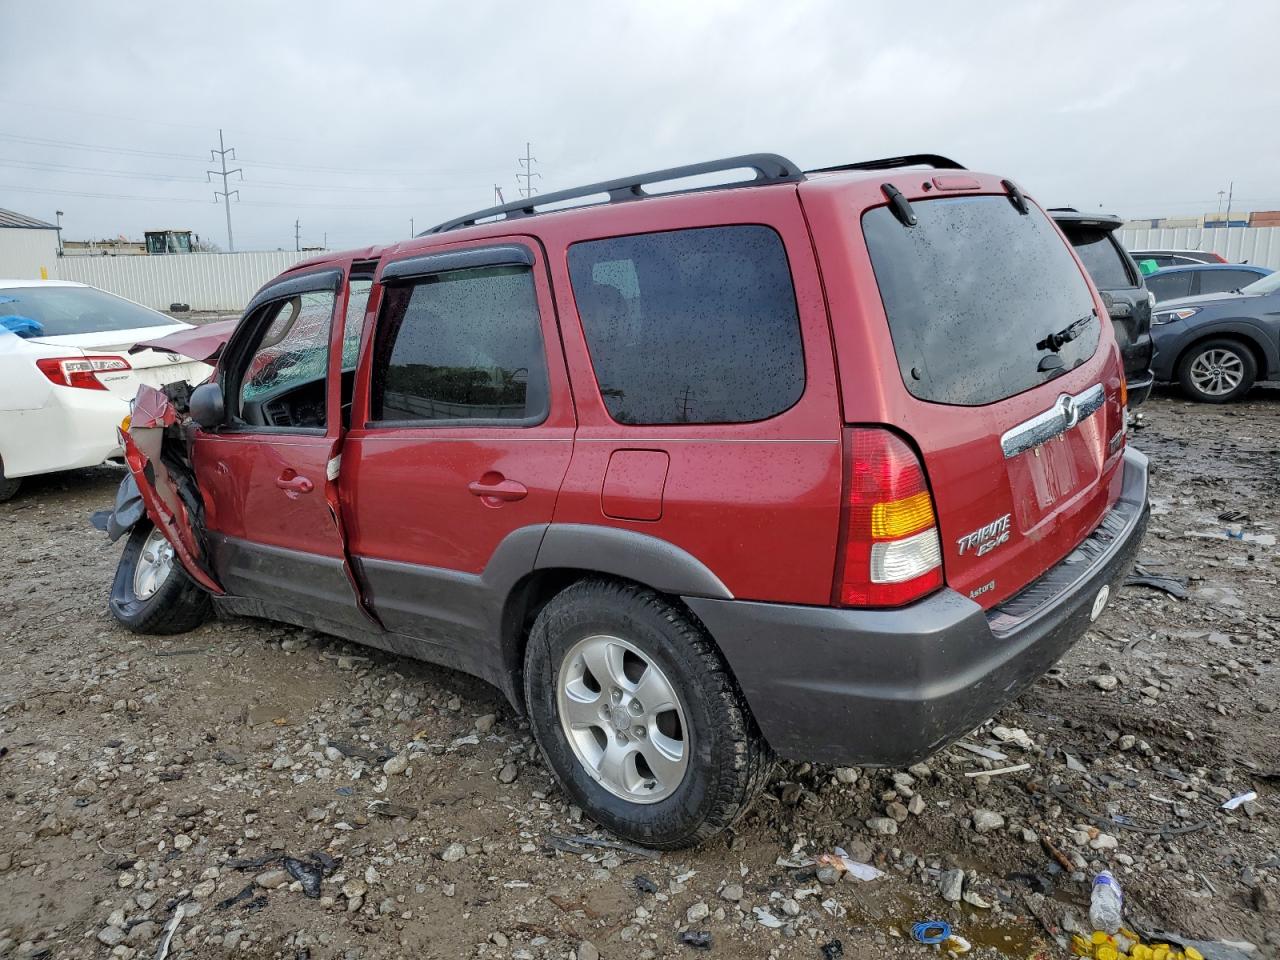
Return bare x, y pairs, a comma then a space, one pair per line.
67, 376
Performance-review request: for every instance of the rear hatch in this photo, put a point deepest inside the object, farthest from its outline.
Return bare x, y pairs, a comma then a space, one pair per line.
1012, 383
1123, 290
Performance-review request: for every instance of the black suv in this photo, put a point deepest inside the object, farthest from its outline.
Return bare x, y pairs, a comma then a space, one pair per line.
1120, 282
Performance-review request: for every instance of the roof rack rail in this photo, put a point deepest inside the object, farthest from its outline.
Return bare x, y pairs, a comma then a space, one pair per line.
769, 168
893, 163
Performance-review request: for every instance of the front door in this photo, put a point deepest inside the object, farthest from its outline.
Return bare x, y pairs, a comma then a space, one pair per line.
462, 430
268, 476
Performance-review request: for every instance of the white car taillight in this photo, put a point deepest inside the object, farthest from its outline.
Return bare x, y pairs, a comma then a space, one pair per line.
81, 372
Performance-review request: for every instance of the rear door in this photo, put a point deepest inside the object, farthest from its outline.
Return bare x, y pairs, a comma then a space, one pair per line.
994, 357
1124, 293
268, 475
462, 428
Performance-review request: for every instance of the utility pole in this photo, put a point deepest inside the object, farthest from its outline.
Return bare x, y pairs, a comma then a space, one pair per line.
1221, 194
297, 236
527, 162
1231, 189
59, 215
224, 193
497, 193
411, 233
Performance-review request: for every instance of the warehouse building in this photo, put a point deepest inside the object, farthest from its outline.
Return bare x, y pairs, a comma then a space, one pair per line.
28, 247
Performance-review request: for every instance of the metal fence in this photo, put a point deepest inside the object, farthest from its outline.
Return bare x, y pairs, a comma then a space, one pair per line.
205, 281
1258, 245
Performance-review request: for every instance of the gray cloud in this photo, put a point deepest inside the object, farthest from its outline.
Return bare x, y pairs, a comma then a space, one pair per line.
354, 119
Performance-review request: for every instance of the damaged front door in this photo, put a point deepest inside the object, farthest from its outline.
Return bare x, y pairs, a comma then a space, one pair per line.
268, 475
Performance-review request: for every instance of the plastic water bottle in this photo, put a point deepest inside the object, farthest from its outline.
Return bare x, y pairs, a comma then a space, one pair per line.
1106, 904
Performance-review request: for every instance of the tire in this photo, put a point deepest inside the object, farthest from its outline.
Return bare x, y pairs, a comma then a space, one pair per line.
725, 760
1217, 371
8, 487
172, 602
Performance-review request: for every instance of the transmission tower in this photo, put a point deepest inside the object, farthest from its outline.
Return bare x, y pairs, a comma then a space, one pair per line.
226, 195
527, 162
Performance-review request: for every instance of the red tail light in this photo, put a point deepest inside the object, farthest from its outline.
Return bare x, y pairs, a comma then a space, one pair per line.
890, 554
80, 371
1219, 258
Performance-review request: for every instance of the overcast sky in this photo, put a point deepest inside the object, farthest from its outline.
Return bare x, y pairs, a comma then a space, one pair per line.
354, 118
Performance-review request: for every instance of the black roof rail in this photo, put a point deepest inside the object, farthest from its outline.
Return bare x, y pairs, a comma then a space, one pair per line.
769, 168
893, 163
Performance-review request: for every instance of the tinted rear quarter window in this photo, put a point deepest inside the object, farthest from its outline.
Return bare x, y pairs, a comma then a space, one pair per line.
464, 345
1102, 258
1169, 285
690, 326
971, 290
1225, 281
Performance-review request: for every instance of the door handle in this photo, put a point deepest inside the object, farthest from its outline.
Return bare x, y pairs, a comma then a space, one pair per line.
293, 485
498, 490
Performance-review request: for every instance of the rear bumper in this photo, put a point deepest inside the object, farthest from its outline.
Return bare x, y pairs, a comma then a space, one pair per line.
76, 428
890, 687
1139, 388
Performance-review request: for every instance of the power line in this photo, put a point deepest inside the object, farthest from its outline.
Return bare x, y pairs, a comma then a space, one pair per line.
527, 162
226, 195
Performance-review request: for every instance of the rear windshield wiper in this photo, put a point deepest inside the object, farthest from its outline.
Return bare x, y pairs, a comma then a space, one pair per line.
1056, 341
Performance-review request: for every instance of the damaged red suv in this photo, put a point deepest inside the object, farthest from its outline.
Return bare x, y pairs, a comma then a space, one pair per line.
823, 464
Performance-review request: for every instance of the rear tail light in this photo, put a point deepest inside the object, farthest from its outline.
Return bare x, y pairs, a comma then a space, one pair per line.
80, 371
890, 554
1218, 258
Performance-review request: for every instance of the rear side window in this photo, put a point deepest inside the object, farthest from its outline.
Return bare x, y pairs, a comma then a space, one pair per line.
460, 346
690, 326
1101, 258
972, 292
1225, 281
1166, 286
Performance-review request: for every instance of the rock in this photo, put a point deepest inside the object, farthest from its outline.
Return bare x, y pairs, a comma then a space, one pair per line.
883, 826
499, 939
974, 899
204, 889
587, 951
699, 911
1265, 900
485, 724
731, 892
355, 887
143, 933
1151, 692
1105, 681
916, 805
182, 842
508, 773
271, 879
1127, 742
111, 936
859, 850
984, 821
790, 907
847, 775
84, 787
396, 765
1104, 841
828, 874
898, 811
950, 885
333, 754
316, 814
453, 853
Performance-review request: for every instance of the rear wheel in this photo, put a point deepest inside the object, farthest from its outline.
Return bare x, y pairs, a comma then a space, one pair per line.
636, 713
8, 487
151, 592
1217, 371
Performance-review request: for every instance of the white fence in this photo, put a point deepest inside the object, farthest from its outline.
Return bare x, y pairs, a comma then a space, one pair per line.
1257, 245
206, 281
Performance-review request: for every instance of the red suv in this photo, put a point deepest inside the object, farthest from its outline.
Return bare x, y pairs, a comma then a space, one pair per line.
827, 464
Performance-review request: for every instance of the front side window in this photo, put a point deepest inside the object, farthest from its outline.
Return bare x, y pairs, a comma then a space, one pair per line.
460, 346
690, 326
292, 353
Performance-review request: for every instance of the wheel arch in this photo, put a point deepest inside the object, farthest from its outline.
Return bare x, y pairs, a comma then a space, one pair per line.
1247, 337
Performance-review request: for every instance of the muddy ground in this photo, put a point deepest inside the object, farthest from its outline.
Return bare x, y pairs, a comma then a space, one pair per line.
139, 775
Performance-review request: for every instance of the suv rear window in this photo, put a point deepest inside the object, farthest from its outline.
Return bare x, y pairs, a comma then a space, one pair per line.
970, 291
690, 326
1101, 258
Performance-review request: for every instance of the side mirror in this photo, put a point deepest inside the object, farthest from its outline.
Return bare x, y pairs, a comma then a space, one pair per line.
206, 406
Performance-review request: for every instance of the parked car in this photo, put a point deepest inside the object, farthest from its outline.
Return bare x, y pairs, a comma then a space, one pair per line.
66, 375
1118, 279
827, 464
1217, 346
1170, 283
1176, 258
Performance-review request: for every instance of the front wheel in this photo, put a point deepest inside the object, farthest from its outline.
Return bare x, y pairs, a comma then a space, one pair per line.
637, 715
1217, 371
8, 486
151, 592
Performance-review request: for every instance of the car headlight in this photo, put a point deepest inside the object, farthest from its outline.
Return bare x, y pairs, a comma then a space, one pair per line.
1168, 316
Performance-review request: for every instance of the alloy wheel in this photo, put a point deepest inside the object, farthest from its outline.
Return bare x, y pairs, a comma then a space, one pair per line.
155, 561
1216, 372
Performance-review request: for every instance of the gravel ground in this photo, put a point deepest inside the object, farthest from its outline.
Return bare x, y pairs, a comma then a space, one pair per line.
297, 796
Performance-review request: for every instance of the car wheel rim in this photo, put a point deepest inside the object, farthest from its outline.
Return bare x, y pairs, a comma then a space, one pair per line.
155, 561
623, 719
1217, 372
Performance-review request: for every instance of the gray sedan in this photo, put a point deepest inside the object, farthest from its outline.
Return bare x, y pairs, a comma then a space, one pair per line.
1216, 347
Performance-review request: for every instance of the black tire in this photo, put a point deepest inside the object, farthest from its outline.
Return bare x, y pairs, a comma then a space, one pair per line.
729, 762
8, 487
1248, 367
179, 604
